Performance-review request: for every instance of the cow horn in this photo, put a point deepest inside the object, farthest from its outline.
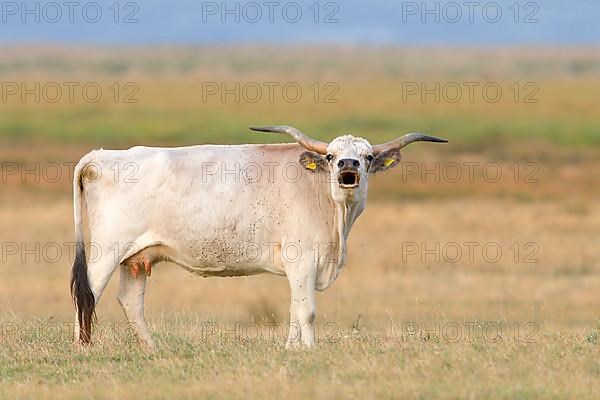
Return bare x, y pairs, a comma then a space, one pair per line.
406, 140
303, 140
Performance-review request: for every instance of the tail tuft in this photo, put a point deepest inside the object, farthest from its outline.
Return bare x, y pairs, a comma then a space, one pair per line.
82, 294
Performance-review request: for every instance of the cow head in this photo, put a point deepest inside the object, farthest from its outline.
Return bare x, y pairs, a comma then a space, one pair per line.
349, 160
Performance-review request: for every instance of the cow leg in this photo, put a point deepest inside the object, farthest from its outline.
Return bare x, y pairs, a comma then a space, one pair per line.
99, 273
131, 298
303, 307
76, 330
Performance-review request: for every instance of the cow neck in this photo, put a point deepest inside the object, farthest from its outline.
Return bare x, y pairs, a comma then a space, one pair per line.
345, 215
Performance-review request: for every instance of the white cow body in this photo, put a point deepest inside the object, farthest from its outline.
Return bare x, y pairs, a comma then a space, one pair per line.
223, 210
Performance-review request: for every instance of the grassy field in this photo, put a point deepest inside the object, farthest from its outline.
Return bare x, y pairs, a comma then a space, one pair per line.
414, 314
356, 367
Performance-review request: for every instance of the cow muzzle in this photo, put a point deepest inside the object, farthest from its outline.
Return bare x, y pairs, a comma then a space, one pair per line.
349, 178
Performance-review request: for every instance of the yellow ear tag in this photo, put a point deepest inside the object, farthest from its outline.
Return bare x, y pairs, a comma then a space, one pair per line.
311, 165
389, 162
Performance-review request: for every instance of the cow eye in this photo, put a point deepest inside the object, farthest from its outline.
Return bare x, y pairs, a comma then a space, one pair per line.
329, 157
370, 157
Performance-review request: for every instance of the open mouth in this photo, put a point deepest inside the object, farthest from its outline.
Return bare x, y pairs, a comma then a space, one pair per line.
348, 179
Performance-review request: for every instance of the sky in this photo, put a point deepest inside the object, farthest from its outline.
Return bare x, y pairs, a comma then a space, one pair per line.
501, 22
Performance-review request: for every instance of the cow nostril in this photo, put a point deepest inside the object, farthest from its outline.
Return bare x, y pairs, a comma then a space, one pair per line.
348, 163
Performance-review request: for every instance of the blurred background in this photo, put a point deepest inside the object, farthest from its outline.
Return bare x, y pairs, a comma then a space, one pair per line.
501, 224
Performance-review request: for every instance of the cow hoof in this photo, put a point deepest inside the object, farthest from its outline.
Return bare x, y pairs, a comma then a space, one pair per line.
295, 345
149, 348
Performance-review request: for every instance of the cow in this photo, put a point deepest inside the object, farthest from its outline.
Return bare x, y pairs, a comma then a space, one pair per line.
202, 207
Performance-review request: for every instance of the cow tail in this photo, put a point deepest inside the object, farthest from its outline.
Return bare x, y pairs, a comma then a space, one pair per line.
81, 292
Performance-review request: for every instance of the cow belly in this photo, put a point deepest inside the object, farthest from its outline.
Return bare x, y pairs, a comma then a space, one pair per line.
210, 262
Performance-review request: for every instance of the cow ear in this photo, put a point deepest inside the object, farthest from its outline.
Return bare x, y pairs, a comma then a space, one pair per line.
384, 161
312, 161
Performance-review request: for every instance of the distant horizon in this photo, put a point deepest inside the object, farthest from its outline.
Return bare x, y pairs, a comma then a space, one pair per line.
351, 22
291, 45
